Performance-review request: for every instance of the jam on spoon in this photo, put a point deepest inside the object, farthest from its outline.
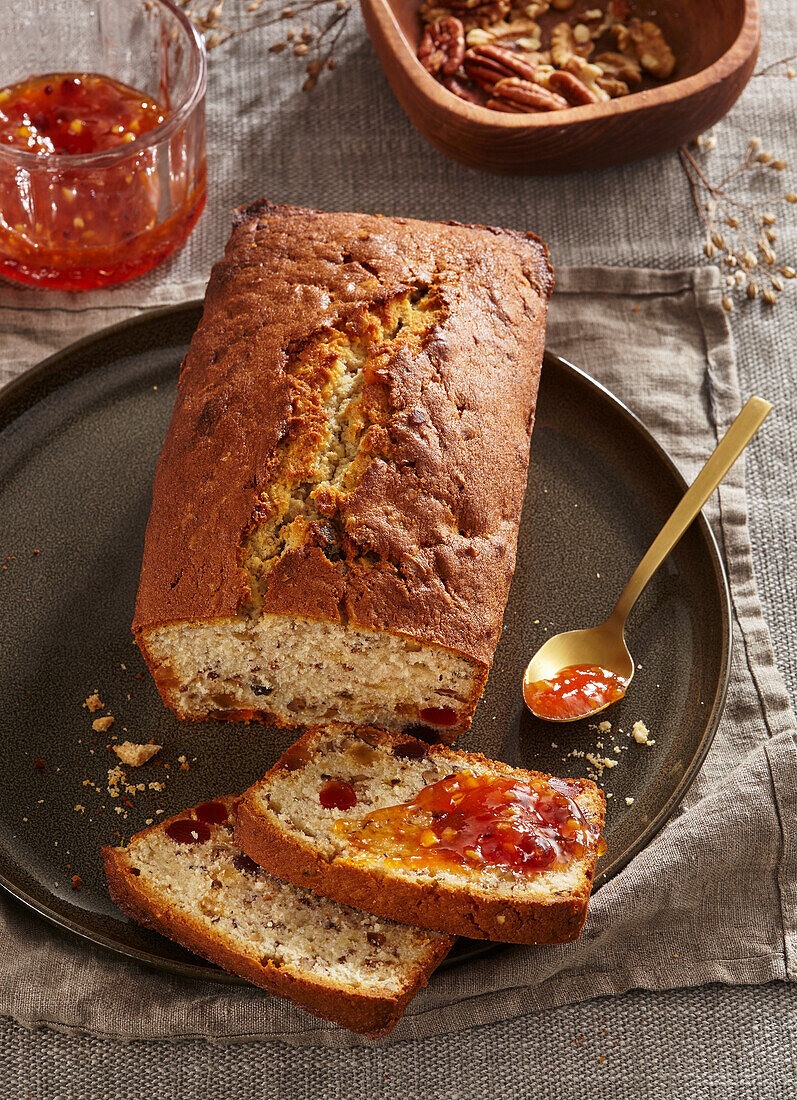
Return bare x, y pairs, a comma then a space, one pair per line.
574, 691
603, 647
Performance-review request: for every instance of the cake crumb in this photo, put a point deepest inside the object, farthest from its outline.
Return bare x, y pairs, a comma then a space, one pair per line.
135, 755
102, 725
629, 802
39, 764
77, 882
93, 702
79, 809
155, 786
640, 734
604, 726
115, 777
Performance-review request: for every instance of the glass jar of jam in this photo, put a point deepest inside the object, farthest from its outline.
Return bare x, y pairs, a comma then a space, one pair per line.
102, 140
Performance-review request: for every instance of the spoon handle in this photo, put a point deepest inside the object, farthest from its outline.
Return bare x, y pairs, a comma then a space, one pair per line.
744, 427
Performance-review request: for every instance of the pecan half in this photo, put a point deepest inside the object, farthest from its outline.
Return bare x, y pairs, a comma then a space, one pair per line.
529, 95
524, 32
588, 74
574, 90
509, 108
442, 47
564, 45
486, 65
463, 91
621, 66
613, 87
651, 48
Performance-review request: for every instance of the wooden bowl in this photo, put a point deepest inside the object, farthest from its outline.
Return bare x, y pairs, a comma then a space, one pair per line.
716, 46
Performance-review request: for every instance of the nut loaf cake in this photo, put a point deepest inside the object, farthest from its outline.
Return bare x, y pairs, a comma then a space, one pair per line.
427, 835
185, 878
336, 507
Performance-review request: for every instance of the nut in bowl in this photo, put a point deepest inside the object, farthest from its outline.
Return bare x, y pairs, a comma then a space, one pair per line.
563, 85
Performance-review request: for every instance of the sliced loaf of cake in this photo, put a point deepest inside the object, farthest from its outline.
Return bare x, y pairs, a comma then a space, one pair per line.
184, 877
335, 511
442, 839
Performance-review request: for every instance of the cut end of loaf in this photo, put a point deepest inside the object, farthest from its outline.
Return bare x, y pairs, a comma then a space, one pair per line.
297, 672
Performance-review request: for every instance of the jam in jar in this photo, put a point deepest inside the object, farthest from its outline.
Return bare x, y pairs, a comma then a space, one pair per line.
93, 190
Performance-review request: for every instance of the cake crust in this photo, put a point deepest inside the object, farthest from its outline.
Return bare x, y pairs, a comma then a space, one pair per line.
427, 533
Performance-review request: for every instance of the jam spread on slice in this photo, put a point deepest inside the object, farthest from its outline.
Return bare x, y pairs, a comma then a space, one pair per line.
186, 830
574, 692
337, 795
472, 821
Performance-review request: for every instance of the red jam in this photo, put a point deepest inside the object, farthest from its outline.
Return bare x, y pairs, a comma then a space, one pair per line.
83, 225
575, 692
212, 813
337, 795
472, 821
438, 716
74, 113
187, 831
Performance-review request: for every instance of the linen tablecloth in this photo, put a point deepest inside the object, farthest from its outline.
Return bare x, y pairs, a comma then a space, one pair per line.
711, 899
350, 147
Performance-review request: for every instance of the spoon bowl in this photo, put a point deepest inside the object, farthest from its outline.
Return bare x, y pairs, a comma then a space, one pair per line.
560, 670
602, 645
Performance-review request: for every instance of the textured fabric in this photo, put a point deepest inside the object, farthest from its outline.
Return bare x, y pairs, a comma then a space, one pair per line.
711, 1043
350, 146
708, 900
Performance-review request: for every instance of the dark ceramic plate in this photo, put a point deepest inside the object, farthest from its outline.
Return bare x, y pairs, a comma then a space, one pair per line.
79, 438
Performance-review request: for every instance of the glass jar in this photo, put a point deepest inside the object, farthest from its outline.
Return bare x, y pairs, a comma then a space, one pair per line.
93, 219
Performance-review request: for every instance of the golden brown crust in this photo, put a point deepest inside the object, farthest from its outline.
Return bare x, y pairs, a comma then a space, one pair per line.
359, 1012
431, 527
458, 910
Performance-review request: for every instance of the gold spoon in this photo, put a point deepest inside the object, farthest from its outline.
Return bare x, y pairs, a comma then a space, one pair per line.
604, 646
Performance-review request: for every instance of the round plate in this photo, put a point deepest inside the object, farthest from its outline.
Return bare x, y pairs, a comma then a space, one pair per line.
79, 438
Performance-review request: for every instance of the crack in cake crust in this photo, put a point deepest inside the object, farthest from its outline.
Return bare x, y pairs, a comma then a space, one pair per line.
339, 417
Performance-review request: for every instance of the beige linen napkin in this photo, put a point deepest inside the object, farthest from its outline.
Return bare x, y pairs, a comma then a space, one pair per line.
712, 899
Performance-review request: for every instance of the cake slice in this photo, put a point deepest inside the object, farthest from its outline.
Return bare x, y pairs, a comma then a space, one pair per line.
184, 877
335, 510
442, 839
